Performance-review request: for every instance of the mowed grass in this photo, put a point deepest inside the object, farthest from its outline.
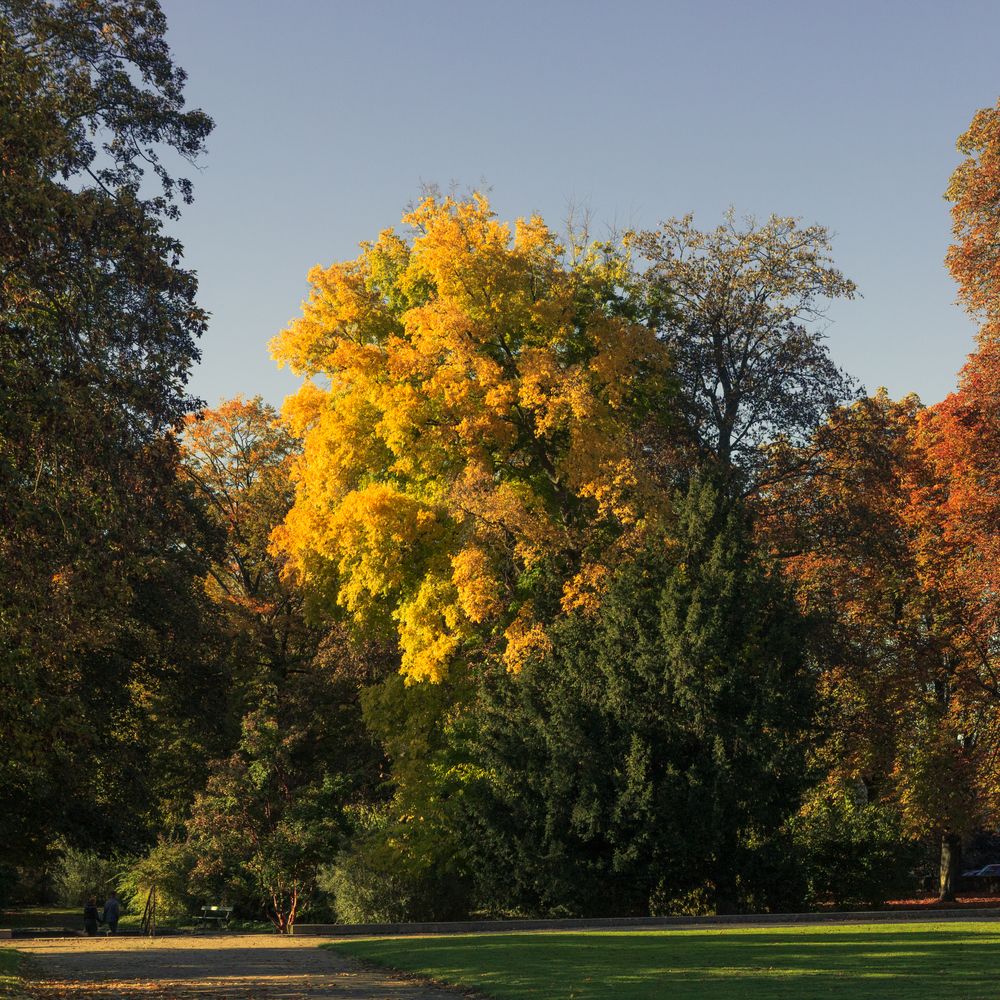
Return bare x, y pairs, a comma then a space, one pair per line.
957, 960
11, 984
42, 916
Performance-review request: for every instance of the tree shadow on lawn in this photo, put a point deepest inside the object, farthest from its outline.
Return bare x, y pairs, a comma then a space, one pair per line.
877, 962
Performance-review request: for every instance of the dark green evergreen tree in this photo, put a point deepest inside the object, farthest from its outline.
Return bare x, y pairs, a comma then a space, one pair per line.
735, 669
652, 761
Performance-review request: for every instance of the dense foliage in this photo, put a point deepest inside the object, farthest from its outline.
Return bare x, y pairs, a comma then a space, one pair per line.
656, 755
97, 335
477, 460
576, 578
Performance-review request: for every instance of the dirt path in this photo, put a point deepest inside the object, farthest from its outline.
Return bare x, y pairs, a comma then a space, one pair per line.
223, 967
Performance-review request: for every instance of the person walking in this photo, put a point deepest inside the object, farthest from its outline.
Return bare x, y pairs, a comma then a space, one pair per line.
112, 911
90, 916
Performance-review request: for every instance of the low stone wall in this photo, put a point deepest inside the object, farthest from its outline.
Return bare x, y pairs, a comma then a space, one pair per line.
638, 923
586, 924
70, 932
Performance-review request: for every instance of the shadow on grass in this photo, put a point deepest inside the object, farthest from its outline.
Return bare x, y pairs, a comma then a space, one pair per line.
957, 962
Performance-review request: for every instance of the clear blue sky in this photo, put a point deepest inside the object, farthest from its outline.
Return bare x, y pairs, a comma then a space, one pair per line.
331, 113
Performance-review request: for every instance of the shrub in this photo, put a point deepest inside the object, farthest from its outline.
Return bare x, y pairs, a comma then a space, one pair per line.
380, 879
167, 868
80, 874
363, 892
854, 852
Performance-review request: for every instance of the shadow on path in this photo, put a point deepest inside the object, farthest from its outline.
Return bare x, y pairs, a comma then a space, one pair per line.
211, 968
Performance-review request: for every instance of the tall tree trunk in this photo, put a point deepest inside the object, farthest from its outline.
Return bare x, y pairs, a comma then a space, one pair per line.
951, 861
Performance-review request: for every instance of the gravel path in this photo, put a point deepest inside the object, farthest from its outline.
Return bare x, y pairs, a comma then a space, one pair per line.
212, 967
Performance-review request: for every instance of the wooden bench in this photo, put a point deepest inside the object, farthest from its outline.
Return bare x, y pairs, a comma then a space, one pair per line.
217, 915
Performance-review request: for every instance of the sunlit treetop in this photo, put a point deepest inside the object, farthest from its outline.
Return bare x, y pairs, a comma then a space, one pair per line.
974, 257
752, 366
237, 458
473, 414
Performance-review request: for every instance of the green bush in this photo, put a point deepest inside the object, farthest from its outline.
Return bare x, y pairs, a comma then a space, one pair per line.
363, 892
80, 874
854, 853
167, 868
379, 879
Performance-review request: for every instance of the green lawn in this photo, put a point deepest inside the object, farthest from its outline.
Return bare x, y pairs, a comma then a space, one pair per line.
57, 916
42, 916
955, 960
10, 982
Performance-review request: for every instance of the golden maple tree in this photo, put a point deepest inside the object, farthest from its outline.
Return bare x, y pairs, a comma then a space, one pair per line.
472, 420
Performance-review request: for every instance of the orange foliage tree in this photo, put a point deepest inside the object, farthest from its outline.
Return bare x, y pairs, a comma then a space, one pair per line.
962, 433
974, 189
238, 458
900, 554
904, 679
472, 420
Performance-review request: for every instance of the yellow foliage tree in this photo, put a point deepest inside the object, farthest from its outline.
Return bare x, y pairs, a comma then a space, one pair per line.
475, 403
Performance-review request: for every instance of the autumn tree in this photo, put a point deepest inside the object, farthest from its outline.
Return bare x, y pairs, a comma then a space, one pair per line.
742, 302
903, 681
471, 460
273, 806
962, 432
237, 458
98, 323
974, 190
960, 516
902, 557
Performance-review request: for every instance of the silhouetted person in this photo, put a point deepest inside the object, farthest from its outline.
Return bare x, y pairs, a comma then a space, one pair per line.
90, 916
112, 911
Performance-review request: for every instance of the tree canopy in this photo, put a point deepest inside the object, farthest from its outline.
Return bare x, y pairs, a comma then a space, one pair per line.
471, 425
98, 323
750, 370
575, 578
974, 190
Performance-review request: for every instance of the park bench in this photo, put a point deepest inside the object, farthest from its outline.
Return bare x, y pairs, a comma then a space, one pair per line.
217, 915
